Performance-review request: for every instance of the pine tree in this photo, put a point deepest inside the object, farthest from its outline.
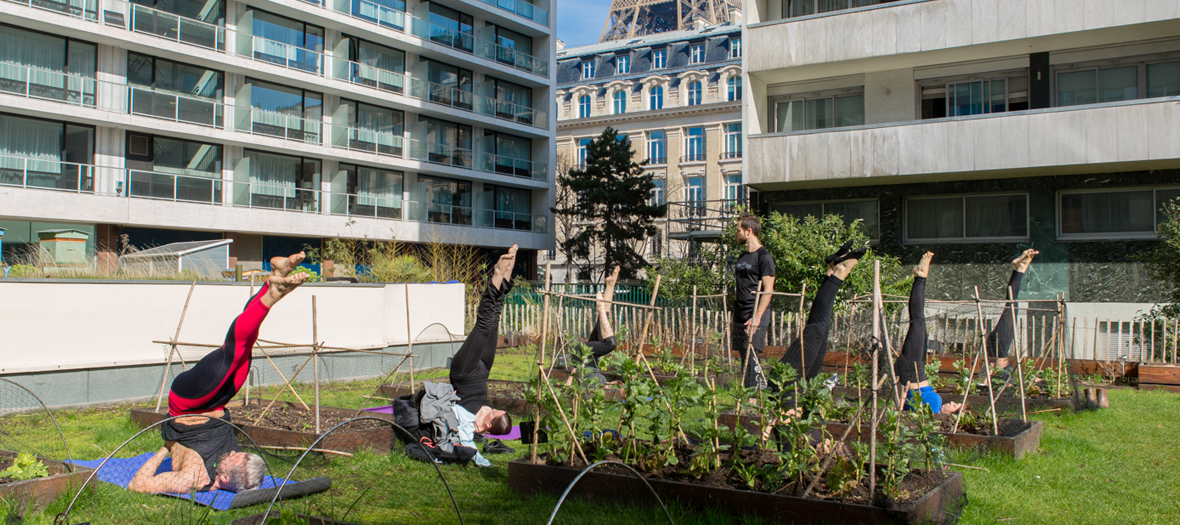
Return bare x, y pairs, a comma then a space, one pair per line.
613, 196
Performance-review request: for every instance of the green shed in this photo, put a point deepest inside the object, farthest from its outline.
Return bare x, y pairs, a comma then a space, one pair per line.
64, 247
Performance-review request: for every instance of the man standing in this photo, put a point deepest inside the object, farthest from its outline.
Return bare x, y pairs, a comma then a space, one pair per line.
753, 272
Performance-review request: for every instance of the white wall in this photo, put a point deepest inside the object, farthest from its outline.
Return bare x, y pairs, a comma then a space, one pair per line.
50, 326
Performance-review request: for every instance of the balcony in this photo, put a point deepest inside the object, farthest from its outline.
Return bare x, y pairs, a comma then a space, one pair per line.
693, 157
84, 9
731, 155
514, 167
1116, 136
657, 161
700, 220
46, 84
39, 174
523, 9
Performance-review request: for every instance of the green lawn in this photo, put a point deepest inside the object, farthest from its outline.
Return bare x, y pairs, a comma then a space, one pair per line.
1112, 466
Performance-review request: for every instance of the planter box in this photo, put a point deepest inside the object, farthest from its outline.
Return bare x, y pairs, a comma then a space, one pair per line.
260, 519
528, 479
1005, 404
42, 491
515, 405
1159, 377
380, 438
1015, 447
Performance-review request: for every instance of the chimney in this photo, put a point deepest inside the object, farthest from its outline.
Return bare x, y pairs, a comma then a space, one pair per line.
560, 44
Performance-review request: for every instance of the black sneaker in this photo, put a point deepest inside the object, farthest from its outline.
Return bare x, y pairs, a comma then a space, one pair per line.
840, 252
496, 446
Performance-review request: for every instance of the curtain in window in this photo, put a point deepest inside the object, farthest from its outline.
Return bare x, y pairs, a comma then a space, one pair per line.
1120, 83
1114, 212
274, 174
379, 188
37, 140
997, 216
44, 52
1163, 80
934, 218
381, 64
1077, 87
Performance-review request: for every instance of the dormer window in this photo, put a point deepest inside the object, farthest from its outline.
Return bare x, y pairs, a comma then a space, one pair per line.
588, 68
624, 63
696, 53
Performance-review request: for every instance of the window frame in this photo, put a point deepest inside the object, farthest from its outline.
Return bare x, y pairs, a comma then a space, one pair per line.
696, 93
905, 228
726, 135
623, 64
702, 154
619, 102
649, 142
1139, 61
1112, 236
662, 54
696, 53
652, 96
824, 211
774, 101
1007, 75
733, 88
735, 47
587, 69
584, 106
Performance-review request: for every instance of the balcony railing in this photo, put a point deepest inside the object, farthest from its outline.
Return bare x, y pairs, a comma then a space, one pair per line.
700, 217
729, 155
354, 205
46, 84
84, 9
657, 161
257, 121
359, 139
440, 213
444, 154
512, 166
506, 220
41, 174
175, 107
175, 188
522, 8
176, 28
799, 8
693, 157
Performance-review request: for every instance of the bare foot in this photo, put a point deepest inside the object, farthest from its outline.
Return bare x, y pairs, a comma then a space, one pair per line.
923, 268
281, 281
281, 266
1021, 263
842, 268
950, 407
503, 270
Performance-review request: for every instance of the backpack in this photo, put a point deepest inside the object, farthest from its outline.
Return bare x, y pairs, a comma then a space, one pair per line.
407, 415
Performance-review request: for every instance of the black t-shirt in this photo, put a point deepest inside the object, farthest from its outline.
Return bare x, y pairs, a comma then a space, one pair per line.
750, 269
472, 390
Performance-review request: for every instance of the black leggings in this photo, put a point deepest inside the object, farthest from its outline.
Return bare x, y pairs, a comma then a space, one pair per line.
999, 341
599, 346
473, 362
910, 365
815, 334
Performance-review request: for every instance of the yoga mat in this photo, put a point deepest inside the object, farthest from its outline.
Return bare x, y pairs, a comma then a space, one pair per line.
119, 471
513, 435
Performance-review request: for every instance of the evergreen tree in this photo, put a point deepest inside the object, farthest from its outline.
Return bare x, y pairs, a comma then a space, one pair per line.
612, 195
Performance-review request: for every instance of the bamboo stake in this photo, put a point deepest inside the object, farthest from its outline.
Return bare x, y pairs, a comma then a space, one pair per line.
1019, 363
315, 361
802, 329
594, 299
573, 436
172, 350
410, 339
727, 332
288, 384
540, 362
289, 381
646, 323
876, 347
320, 450
986, 366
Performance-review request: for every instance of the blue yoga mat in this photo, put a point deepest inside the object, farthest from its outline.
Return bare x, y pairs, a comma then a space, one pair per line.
119, 471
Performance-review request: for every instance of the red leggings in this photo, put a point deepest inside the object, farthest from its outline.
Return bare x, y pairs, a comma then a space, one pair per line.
217, 377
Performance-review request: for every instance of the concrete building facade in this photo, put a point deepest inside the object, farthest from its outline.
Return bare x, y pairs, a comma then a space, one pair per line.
277, 123
678, 97
975, 129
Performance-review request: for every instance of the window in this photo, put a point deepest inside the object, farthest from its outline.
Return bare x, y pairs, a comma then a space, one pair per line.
451, 28
510, 154
694, 93
163, 82
204, 11
445, 201
373, 192
173, 169
584, 106
657, 147
583, 148
733, 189
808, 113
280, 181
449, 85
734, 86
389, 13
620, 102
1163, 80
793, 8
1106, 82
733, 141
655, 98
446, 142
866, 211
375, 65
1117, 213
506, 208
514, 101
46, 56
623, 63
696, 53
372, 128
972, 96
735, 48
658, 193
280, 111
964, 218
287, 42
36, 149
588, 68
659, 58
694, 195
694, 144
511, 45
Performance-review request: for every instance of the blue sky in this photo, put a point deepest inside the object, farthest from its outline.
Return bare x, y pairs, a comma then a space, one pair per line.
579, 22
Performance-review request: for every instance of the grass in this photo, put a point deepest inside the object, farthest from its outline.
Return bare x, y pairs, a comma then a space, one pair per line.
1111, 466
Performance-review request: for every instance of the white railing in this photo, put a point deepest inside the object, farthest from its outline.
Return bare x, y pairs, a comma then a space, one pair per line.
46, 84
523, 168
46, 174
522, 8
84, 9
257, 121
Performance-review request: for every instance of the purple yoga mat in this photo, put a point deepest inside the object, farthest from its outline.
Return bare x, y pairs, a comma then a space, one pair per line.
514, 435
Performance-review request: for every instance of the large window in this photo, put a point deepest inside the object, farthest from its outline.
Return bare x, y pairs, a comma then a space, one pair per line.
444, 200
694, 195
510, 154
514, 101
800, 113
964, 96
449, 85
374, 192
281, 181
659, 58
372, 128
733, 190
694, 144
286, 42
694, 93
375, 65
733, 141
733, 89
967, 218
46, 154
584, 106
620, 102
657, 147
208, 11
1112, 82
588, 68
1114, 213
864, 210
447, 142
451, 28
735, 48
389, 13
623, 64
174, 91
696, 53
281, 111
506, 208
655, 98
794, 8
511, 45
658, 193
583, 148
200, 23
44, 66
173, 169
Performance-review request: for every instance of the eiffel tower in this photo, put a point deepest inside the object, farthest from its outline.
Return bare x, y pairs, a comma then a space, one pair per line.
632, 18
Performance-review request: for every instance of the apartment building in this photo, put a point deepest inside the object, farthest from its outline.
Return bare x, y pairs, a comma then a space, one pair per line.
678, 97
277, 123
975, 129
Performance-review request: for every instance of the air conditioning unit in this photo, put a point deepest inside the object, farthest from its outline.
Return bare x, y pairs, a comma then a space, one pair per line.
140, 145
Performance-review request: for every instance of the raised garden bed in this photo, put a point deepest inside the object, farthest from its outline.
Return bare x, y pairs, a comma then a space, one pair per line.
287, 424
504, 395
1005, 404
1159, 377
295, 519
931, 506
1016, 439
41, 491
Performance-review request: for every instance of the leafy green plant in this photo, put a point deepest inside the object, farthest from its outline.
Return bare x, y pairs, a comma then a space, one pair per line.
24, 270
312, 276
25, 467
